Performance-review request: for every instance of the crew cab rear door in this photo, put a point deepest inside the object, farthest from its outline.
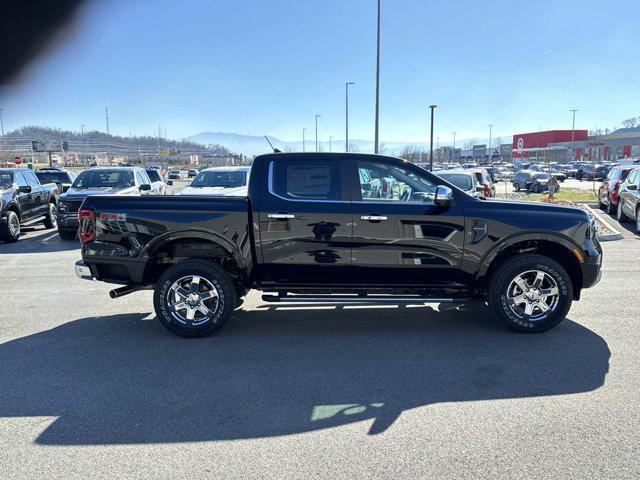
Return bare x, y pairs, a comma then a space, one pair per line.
305, 220
400, 237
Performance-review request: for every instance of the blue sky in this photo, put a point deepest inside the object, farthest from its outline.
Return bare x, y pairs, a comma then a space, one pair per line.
267, 67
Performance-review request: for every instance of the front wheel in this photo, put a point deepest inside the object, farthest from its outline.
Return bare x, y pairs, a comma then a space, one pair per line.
620, 215
194, 298
530, 293
10, 230
51, 220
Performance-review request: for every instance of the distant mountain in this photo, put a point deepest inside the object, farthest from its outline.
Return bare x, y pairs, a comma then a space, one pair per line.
251, 145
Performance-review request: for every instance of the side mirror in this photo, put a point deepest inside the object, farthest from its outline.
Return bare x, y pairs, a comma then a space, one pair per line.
444, 196
170, 183
145, 187
24, 189
632, 186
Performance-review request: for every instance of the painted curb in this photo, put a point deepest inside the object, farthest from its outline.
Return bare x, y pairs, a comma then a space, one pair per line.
616, 235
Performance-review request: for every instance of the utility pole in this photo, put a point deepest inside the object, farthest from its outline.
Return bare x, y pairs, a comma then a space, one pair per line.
346, 116
317, 116
106, 116
330, 139
83, 152
490, 162
377, 84
432, 108
303, 139
573, 125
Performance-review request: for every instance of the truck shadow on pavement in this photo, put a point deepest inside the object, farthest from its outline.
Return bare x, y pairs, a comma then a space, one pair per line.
38, 240
124, 379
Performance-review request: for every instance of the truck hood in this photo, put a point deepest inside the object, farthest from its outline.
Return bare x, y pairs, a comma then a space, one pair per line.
216, 191
78, 193
524, 206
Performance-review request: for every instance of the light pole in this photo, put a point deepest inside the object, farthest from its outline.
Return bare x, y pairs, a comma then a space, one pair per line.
377, 84
454, 146
303, 139
82, 130
432, 108
346, 116
317, 117
2, 133
490, 155
330, 140
573, 125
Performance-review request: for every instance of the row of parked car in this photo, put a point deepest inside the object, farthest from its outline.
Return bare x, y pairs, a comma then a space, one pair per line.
619, 195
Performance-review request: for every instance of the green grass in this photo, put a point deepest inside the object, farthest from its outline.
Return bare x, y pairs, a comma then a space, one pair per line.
567, 195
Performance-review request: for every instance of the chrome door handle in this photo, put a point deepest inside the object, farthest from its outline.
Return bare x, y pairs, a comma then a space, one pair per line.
281, 216
373, 218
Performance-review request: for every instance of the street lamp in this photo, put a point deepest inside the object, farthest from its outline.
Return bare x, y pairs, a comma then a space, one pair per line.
346, 116
454, 146
303, 138
330, 140
490, 155
377, 84
432, 108
317, 117
82, 130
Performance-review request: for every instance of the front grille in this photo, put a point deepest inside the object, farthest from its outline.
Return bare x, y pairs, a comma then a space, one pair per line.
73, 205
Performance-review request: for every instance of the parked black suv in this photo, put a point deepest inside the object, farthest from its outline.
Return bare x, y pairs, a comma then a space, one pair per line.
24, 201
311, 231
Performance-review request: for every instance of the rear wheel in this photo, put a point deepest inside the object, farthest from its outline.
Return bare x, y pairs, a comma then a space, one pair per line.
620, 215
51, 220
638, 220
530, 293
10, 231
194, 298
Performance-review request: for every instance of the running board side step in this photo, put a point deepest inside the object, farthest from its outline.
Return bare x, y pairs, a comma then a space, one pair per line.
360, 299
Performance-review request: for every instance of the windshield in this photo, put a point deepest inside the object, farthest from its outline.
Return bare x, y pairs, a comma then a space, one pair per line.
52, 177
229, 179
154, 176
174, 172
542, 176
460, 180
104, 179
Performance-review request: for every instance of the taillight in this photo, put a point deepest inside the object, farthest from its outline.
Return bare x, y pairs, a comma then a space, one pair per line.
487, 191
85, 230
616, 186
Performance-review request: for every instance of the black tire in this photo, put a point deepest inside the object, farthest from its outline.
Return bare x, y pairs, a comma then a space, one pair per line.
10, 230
205, 324
51, 220
611, 207
521, 265
67, 234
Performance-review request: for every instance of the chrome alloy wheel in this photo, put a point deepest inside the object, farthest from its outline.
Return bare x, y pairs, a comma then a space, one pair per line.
192, 299
533, 294
638, 221
14, 225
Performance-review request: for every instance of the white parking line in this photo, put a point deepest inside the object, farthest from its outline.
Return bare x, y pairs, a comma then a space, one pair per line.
49, 237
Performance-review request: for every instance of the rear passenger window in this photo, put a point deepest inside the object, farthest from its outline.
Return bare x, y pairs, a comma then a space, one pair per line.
306, 179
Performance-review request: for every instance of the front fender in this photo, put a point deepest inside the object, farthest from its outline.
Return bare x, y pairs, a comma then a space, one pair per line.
506, 242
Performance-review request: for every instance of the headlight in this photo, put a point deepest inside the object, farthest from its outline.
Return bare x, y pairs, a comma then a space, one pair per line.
61, 205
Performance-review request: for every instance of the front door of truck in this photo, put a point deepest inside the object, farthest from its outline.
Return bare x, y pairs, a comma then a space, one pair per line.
400, 237
305, 220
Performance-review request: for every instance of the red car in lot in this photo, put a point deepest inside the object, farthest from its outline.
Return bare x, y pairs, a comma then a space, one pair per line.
608, 193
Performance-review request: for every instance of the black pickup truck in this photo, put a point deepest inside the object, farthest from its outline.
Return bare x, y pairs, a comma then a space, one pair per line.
24, 201
340, 228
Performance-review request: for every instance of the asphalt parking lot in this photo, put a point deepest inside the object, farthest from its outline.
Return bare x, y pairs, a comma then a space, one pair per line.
96, 387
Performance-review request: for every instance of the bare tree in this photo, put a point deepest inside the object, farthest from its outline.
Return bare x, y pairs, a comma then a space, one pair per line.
353, 148
631, 122
382, 149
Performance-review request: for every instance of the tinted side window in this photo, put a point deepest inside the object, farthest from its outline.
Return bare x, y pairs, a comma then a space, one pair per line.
31, 179
307, 179
19, 179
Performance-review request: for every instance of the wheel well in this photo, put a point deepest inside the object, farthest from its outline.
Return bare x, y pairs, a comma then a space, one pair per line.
181, 249
14, 209
550, 249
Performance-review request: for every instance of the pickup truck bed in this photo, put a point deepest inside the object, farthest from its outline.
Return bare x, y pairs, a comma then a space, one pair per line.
340, 228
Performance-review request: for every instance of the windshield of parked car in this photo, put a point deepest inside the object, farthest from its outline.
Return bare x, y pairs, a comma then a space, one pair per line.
460, 180
154, 175
52, 177
104, 179
542, 176
224, 179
